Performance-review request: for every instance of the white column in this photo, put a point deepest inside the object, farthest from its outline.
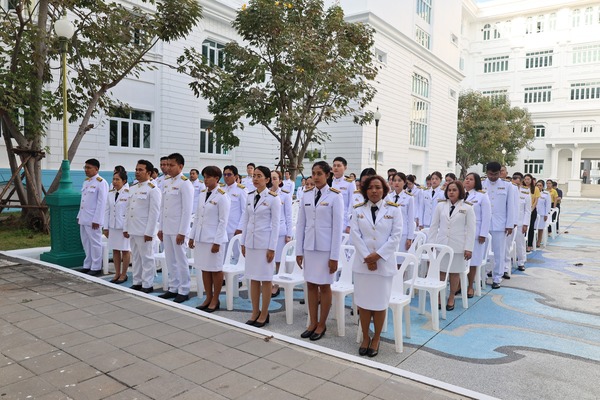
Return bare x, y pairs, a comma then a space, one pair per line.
554, 162
574, 184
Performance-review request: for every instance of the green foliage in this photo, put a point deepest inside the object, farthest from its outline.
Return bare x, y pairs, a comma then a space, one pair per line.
486, 127
300, 67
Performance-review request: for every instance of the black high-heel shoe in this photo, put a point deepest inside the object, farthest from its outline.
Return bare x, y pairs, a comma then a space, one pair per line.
373, 352
307, 333
261, 324
362, 351
211, 310
202, 307
316, 336
252, 321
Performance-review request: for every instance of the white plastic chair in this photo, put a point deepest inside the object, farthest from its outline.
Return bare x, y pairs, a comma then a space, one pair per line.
104, 255
464, 279
552, 222
480, 271
295, 210
418, 241
343, 287
440, 259
345, 238
231, 271
288, 281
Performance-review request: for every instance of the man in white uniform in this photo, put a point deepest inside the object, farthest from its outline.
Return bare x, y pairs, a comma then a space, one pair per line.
91, 216
174, 227
140, 226
288, 184
247, 180
198, 187
164, 174
346, 187
238, 196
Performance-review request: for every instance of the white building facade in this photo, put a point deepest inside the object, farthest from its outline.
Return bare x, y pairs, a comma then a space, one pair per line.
543, 55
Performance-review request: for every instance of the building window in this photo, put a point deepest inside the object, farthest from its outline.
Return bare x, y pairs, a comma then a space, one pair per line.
585, 91
534, 167
540, 131
538, 59
538, 94
213, 53
420, 85
423, 38
552, 22
495, 64
586, 54
495, 95
497, 30
486, 31
575, 18
529, 27
381, 56
379, 157
539, 25
131, 129
209, 140
589, 16
424, 10
419, 117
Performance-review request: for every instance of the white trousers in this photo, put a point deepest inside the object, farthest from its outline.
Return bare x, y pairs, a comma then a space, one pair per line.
142, 261
507, 246
520, 239
498, 247
91, 239
177, 264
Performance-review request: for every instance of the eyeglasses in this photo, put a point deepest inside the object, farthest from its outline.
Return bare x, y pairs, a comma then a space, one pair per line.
227, 174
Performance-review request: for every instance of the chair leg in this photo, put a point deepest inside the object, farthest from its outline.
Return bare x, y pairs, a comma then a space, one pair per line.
289, 305
406, 319
339, 316
385, 323
464, 283
422, 294
359, 332
397, 316
443, 302
229, 291
435, 315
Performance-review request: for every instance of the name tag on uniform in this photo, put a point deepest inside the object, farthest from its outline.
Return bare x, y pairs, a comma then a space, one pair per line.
234, 195
307, 204
501, 188
142, 196
125, 199
213, 202
264, 203
388, 217
462, 211
343, 188
360, 215
323, 204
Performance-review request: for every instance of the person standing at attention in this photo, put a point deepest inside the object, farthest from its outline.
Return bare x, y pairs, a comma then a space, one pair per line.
288, 184
318, 240
198, 187
346, 187
174, 227
91, 216
247, 180
116, 207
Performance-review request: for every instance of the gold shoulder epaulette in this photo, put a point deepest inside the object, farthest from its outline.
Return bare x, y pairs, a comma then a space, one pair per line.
408, 193
482, 191
285, 191
221, 184
202, 191
426, 188
391, 203
112, 190
441, 200
469, 203
307, 190
357, 191
241, 186
334, 190
360, 204
349, 179
220, 191
184, 178
99, 179
272, 193
152, 185
515, 184
126, 190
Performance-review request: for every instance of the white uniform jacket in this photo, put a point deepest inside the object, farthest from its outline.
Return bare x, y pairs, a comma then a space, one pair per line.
431, 198
456, 231
417, 193
501, 198
524, 217
285, 216
114, 216
381, 237
261, 224
143, 209
483, 211
289, 186
93, 201
544, 204
212, 215
199, 186
237, 196
176, 211
248, 185
346, 186
407, 204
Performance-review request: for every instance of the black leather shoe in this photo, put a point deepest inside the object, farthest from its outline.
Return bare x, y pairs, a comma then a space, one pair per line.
276, 293
521, 268
449, 307
114, 280
261, 324
168, 295
180, 298
506, 276
94, 272
373, 352
489, 274
252, 321
306, 334
122, 280
458, 292
212, 310
362, 351
202, 307
302, 301
316, 336
147, 289
495, 285
136, 287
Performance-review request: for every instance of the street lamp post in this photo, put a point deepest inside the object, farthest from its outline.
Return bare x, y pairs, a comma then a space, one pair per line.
503, 156
377, 116
66, 249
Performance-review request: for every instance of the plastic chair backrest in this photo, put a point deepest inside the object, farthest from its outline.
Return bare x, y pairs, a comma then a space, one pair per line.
288, 256
347, 253
439, 257
409, 261
417, 242
233, 243
295, 210
345, 237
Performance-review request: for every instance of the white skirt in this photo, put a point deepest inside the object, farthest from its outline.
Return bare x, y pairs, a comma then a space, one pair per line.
117, 241
204, 260
280, 244
540, 223
372, 291
257, 267
459, 264
316, 267
477, 257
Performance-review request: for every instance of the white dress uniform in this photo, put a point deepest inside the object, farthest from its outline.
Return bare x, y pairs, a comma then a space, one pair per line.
502, 217
285, 221
431, 199
210, 227
346, 186
114, 216
289, 186
523, 219
199, 186
248, 185
372, 289
160, 181
543, 209
319, 233
406, 203
143, 209
482, 208
456, 230
511, 238
260, 232
237, 196
91, 211
175, 219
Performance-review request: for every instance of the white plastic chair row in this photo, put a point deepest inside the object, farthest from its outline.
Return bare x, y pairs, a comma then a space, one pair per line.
553, 222
289, 280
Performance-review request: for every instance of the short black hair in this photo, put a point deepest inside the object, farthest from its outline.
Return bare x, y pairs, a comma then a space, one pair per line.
451, 175
251, 164
520, 175
119, 168
364, 188
122, 174
367, 172
493, 166
93, 162
342, 160
163, 158
212, 171
148, 165
195, 170
477, 178
459, 185
392, 171
323, 165
154, 169
232, 168
177, 157
436, 173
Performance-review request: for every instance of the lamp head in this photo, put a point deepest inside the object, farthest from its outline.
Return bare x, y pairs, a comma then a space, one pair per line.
377, 115
64, 28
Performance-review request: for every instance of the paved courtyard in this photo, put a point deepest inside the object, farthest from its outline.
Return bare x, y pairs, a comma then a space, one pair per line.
536, 337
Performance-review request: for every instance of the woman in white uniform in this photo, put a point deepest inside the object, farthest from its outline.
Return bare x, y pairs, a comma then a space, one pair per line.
430, 200
376, 229
454, 225
406, 202
259, 240
543, 209
114, 215
417, 193
208, 237
285, 222
478, 198
318, 240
